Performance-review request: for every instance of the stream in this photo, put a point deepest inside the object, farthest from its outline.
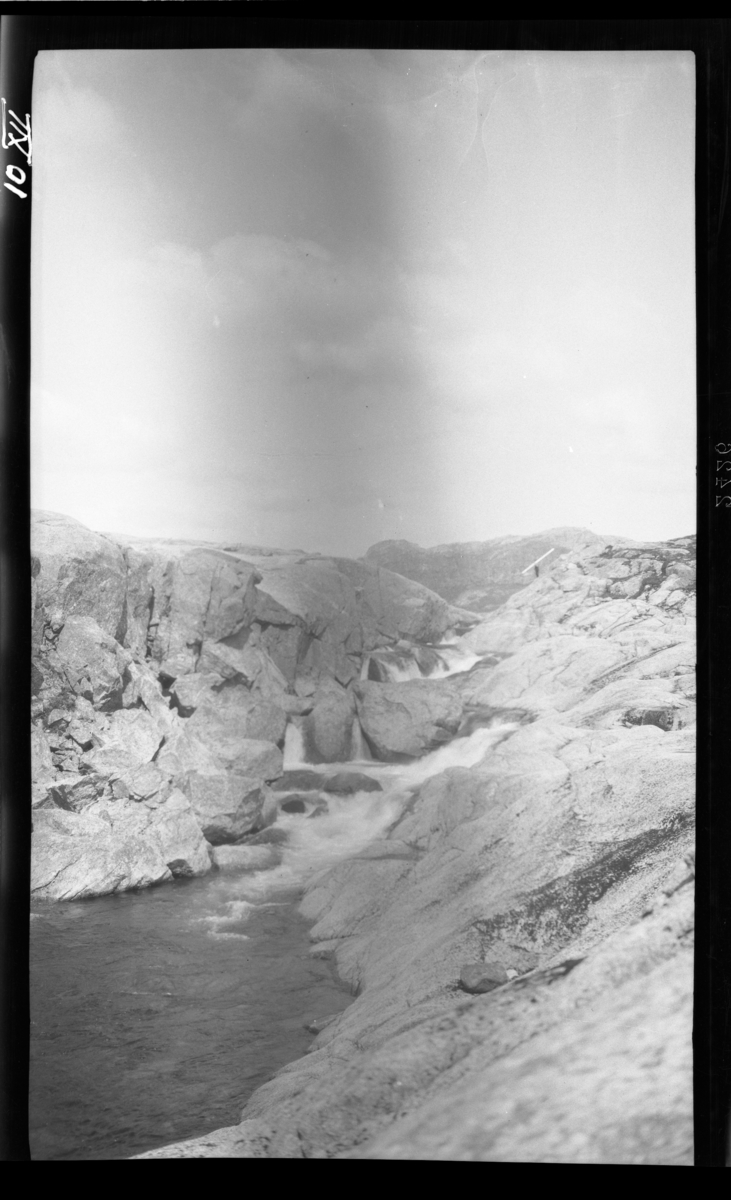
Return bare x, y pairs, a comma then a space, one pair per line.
155, 1014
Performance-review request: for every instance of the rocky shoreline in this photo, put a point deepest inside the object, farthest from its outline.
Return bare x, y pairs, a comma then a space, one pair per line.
164, 678
519, 939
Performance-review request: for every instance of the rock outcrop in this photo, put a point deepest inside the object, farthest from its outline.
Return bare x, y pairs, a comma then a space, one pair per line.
328, 728
519, 941
167, 672
406, 720
482, 575
111, 846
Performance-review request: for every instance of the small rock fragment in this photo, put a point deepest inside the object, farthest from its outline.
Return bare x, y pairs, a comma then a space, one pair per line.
294, 805
305, 781
318, 811
346, 783
482, 977
320, 1023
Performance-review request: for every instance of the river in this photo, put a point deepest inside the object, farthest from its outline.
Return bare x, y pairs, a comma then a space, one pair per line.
156, 1014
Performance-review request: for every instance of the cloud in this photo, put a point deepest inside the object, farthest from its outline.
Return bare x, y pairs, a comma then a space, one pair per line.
315, 310
75, 128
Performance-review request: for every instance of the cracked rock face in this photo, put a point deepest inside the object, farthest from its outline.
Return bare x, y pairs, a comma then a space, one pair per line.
406, 720
111, 846
328, 728
559, 870
480, 575
162, 666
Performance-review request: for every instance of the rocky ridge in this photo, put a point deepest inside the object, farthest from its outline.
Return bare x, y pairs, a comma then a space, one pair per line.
164, 676
519, 941
482, 575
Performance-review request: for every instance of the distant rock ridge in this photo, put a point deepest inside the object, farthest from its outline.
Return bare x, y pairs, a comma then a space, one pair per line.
482, 575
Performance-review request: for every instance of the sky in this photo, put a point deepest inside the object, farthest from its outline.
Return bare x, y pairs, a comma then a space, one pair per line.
322, 298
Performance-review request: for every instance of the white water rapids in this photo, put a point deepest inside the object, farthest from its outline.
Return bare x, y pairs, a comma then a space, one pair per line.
427, 662
348, 825
152, 1008
345, 825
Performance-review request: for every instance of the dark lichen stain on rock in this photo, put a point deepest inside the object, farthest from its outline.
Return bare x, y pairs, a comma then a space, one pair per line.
554, 913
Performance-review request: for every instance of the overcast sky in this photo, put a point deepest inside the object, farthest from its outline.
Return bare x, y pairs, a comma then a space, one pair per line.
323, 298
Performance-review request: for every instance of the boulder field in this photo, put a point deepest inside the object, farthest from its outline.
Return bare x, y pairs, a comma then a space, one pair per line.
164, 676
519, 941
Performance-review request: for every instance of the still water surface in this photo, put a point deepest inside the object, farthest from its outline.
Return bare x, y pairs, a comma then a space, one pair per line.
154, 1017
156, 1014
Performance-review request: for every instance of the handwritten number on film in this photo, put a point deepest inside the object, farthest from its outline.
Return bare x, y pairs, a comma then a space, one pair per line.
723, 474
16, 135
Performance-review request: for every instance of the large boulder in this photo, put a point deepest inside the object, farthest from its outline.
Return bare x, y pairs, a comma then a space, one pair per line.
234, 714
76, 792
328, 730
317, 616
183, 751
90, 662
74, 731
113, 846
143, 689
406, 720
80, 573
189, 690
397, 608
200, 594
226, 806
132, 732
248, 664
217, 748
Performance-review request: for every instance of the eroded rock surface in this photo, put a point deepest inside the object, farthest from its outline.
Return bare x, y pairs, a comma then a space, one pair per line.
170, 666
481, 575
559, 870
406, 720
111, 846
518, 940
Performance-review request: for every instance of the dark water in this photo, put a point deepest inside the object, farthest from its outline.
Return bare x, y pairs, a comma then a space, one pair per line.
156, 1014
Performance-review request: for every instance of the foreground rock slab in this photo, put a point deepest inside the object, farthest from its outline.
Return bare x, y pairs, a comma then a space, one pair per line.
587, 1060
602, 1088
565, 856
114, 846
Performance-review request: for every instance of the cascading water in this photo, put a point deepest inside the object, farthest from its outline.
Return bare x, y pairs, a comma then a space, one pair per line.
174, 1004
397, 665
361, 753
294, 746
344, 825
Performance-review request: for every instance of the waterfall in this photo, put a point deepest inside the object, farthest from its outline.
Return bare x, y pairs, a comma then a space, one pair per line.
344, 824
361, 751
294, 747
417, 662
